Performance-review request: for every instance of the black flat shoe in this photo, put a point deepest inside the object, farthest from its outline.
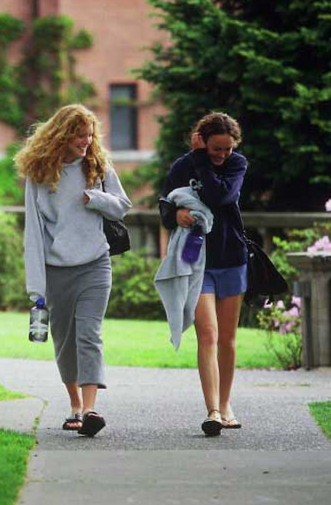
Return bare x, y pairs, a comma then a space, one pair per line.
92, 424
73, 419
211, 427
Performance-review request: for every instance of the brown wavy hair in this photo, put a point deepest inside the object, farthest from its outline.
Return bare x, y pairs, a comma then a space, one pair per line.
42, 157
218, 123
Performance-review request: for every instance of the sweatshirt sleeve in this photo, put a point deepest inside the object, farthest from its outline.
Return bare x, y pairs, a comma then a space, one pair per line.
224, 188
112, 203
34, 245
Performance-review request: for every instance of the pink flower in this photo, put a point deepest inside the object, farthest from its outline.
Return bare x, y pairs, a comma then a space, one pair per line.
296, 300
280, 304
323, 244
294, 312
328, 205
267, 305
312, 249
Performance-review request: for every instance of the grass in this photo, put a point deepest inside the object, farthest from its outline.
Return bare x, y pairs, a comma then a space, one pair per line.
14, 453
135, 343
321, 411
10, 395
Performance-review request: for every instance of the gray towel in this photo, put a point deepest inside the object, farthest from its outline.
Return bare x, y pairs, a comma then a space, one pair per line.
179, 283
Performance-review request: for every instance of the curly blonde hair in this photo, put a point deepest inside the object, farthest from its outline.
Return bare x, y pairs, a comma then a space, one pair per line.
42, 157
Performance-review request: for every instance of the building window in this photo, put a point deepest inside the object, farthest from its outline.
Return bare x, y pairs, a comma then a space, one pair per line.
123, 116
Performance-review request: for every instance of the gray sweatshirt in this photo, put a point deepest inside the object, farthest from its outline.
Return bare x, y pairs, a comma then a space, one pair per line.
179, 283
61, 230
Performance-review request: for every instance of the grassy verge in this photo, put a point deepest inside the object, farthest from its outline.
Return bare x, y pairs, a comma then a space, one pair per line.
14, 453
321, 411
10, 395
135, 343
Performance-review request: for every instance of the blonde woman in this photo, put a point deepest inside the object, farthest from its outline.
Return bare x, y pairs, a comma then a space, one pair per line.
66, 252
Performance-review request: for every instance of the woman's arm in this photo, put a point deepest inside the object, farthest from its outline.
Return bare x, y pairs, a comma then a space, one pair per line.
112, 203
172, 216
34, 245
222, 188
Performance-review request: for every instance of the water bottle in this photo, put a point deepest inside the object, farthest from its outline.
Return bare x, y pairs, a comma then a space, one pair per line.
39, 317
193, 244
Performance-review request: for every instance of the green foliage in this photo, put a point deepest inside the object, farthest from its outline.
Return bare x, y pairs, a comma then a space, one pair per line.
288, 346
45, 78
296, 241
133, 295
82, 40
265, 63
11, 29
14, 453
12, 276
52, 31
133, 180
10, 191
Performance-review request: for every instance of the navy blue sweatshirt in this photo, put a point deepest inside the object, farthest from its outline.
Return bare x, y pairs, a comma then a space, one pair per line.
219, 188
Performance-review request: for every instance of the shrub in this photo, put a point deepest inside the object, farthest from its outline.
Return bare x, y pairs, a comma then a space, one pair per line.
287, 323
133, 294
12, 276
11, 192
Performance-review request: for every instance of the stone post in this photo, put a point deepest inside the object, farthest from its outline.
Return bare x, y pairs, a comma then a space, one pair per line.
314, 287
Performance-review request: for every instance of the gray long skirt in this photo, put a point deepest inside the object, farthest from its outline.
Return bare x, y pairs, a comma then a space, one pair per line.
77, 299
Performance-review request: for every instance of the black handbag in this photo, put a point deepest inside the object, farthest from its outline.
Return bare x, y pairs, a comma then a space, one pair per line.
263, 278
117, 235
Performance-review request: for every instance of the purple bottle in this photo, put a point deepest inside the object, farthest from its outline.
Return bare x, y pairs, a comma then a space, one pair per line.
193, 244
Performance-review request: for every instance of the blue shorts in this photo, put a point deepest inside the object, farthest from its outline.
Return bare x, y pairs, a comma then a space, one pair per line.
224, 282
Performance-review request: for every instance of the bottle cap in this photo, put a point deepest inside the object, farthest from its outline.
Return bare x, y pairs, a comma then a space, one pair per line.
40, 303
197, 229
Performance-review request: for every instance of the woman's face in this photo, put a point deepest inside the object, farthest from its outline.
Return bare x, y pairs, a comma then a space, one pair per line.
77, 147
219, 147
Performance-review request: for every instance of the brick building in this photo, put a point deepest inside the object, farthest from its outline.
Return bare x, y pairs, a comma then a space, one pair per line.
120, 29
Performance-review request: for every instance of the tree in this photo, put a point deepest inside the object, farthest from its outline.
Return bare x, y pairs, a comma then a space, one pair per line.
45, 77
42, 81
267, 64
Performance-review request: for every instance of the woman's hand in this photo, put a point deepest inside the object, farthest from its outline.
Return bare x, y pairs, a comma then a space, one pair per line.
197, 141
86, 198
184, 218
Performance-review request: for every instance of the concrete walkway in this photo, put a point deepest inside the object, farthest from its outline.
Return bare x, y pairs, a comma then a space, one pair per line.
153, 450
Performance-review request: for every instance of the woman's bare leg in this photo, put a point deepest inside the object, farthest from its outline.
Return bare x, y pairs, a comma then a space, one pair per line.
207, 335
228, 312
75, 402
89, 392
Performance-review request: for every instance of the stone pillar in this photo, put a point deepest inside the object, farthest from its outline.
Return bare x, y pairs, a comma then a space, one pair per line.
315, 281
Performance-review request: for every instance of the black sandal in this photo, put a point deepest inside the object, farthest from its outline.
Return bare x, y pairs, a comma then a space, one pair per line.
92, 424
211, 427
73, 419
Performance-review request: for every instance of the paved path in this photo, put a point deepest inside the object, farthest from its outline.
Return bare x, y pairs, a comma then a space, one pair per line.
153, 451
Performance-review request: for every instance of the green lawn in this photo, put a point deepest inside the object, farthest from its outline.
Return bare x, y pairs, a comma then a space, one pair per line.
10, 395
14, 453
322, 414
134, 343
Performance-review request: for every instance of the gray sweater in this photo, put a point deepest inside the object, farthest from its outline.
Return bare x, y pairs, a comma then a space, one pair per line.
179, 283
61, 230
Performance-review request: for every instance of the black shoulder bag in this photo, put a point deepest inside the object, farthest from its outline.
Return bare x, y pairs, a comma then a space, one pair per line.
263, 278
117, 234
